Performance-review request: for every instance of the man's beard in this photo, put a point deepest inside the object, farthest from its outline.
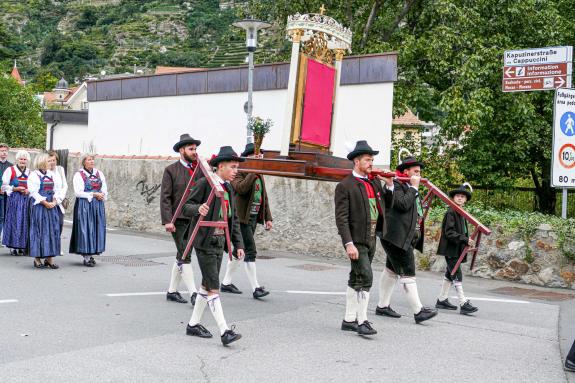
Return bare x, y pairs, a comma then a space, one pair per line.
190, 158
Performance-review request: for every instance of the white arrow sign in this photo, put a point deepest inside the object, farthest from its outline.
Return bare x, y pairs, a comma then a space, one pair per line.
509, 72
559, 82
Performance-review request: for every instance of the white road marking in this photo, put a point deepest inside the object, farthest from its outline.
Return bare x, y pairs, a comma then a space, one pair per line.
315, 292
136, 294
308, 292
495, 300
71, 222
8, 300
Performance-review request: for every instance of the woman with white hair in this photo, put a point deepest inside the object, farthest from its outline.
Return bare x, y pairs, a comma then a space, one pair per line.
44, 219
89, 226
15, 185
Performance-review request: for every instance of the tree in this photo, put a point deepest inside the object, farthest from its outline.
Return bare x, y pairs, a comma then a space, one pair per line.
44, 81
21, 122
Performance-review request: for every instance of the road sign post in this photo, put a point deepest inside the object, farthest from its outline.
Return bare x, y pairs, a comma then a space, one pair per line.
563, 154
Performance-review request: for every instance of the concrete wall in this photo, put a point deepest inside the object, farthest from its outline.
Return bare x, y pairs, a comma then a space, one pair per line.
72, 136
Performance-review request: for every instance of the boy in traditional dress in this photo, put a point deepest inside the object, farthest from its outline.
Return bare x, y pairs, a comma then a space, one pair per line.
210, 242
454, 238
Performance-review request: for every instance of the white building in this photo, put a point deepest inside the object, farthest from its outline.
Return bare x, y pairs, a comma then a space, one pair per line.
145, 115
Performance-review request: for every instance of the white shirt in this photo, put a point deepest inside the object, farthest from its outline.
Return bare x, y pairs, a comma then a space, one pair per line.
79, 185
62, 186
34, 181
6, 187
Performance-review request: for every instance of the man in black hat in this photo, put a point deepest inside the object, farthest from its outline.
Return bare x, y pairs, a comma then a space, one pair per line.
253, 208
210, 242
454, 239
360, 206
174, 181
404, 234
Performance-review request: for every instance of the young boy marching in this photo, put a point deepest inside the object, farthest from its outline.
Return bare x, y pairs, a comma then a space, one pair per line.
454, 238
210, 242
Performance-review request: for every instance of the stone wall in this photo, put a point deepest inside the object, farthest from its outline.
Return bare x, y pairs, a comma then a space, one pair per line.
304, 223
506, 256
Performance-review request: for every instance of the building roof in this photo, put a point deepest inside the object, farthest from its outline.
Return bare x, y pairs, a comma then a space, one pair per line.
16, 74
408, 119
175, 69
50, 97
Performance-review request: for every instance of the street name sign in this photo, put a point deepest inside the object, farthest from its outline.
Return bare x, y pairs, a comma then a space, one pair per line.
537, 69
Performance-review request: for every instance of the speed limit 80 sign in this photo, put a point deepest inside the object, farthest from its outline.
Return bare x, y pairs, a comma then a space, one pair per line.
563, 161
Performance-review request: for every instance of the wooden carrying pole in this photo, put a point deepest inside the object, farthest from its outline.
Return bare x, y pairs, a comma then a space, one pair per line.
216, 192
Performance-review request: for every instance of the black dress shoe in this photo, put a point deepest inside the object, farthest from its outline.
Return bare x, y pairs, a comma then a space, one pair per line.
92, 261
198, 330
14, 252
88, 264
467, 308
445, 305
175, 297
366, 329
387, 311
569, 365
39, 265
230, 336
231, 288
424, 314
260, 292
349, 326
193, 298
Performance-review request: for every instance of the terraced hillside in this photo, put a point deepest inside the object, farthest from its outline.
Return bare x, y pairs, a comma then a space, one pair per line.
78, 38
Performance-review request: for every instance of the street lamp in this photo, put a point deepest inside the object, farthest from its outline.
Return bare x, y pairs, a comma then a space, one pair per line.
251, 27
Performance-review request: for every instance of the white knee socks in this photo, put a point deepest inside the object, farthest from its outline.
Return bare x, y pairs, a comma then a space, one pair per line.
362, 302
444, 290
251, 273
460, 295
188, 277
175, 278
231, 268
199, 307
218, 313
350, 305
410, 288
386, 285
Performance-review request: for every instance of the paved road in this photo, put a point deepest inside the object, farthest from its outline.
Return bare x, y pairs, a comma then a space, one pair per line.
63, 326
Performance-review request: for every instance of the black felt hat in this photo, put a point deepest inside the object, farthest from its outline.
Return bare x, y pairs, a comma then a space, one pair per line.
249, 150
185, 139
361, 147
226, 154
461, 190
408, 163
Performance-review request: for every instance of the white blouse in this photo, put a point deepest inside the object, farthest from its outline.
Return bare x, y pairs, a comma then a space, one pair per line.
79, 185
6, 187
34, 187
60, 180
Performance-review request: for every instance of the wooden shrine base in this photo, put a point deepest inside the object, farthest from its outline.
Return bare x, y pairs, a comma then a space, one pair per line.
299, 164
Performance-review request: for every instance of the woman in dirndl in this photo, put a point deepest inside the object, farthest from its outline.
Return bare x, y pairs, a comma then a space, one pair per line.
15, 185
44, 219
61, 184
89, 225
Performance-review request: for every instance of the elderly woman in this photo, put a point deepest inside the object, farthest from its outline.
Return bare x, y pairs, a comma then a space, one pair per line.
15, 185
61, 185
89, 226
44, 220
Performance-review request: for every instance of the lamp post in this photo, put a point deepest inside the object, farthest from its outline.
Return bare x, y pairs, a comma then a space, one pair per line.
251, 27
